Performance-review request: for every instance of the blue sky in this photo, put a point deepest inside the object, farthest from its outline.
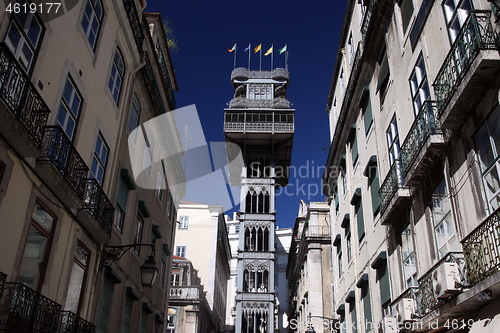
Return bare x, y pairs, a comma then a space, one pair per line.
205, 30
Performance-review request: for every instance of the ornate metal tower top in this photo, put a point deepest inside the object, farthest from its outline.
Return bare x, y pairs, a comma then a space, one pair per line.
261, 121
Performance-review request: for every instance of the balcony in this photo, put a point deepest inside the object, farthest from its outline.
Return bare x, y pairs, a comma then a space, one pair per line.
467, 71
24, 112
23, 310
191, 293
71, 323
482, 253
166, 78
367, 19
97, 212
245, 103
317, 231
394, 196
423, 145
428, 300
243, 74
61, 167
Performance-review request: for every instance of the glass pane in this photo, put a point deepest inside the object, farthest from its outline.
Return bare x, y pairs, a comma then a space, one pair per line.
13, 38
494, 127
33, 258
34, 31
74, 288
42, 217
484, 148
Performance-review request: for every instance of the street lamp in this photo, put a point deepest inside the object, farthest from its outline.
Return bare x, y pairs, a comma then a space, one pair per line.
149, 271
310, 329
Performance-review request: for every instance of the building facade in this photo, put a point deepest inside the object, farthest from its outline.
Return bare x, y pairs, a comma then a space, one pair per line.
310, 269
411, 174
260, 121
72, 88
202, 237
188, 310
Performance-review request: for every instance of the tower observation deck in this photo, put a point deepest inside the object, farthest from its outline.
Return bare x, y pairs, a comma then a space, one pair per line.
260, 120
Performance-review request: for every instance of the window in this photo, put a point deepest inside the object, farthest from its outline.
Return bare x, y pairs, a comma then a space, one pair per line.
237, 229
139, 228
487, 141
260, 91
105, 304
100, 159
143, 324
37, 248
419, 86
406, 13
360, 219
348, 243
175, 279
183, 222
408, 260
180, 251
171, 320
354, 151
455, 13
125, 184
339, 260
91, 20
444, 229
366, 108
69, 109
77, 278
128, 307
367, 307
383, 74
116, 75
163, 268
24, 36
352, 311
350, 48
393, 141
160, 183
372, 173
134, 114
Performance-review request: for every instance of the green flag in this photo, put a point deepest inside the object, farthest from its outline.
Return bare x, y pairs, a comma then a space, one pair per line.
283, 49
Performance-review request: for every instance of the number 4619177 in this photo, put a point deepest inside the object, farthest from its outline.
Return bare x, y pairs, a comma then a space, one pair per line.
25, 8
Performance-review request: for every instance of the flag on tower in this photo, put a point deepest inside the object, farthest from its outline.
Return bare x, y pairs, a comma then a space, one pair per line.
257, 48
283, 49
268, 52
232, 49
247, 48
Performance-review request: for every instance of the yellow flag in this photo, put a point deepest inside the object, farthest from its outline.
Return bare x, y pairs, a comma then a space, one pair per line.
269, 51
257, 48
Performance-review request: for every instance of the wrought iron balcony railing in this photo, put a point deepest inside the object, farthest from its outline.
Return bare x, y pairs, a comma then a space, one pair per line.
274, 103
482, 254
71, 323
185, 292
367, 18
135, 24
274, 122
475, 35
423, 126
166, 78
21, 97
98, 204
23, 310
392, 183
427, 300
58, 149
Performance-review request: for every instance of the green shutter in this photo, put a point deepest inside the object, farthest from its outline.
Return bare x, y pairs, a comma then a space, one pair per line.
360, 219
385, 288
374, 188
367, 116
367, 307
104, 310
354, 150
122, 194
406, 13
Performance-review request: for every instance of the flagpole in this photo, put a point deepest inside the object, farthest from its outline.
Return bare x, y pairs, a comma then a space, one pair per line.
234, 58
286, 60
249, 52
272, 55
260, 65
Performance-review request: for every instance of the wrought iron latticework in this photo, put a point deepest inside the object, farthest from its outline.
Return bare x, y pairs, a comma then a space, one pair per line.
392, 183
21, 97
98, 204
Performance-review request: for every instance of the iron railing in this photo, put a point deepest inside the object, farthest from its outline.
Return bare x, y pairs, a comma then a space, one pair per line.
275, 122
21, 97
423, 126
166, 77
23, 310
392, 183
475, 35
98, 204
317, 231
135, 25
412, 293
482, 254
367, 19
58, 149
271, 103
427, 300
71, 323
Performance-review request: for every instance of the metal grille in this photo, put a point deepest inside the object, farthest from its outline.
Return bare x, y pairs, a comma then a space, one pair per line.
423, 126
58, 149
482, 249
98, 204
476, 34
21, 97
71, 323
392, 183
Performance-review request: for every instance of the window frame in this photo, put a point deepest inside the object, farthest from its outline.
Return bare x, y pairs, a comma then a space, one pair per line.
419, 88
116, 75
85, 267
93, 16
183, 222
454, 17
97, 157
181, 249
64, 106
